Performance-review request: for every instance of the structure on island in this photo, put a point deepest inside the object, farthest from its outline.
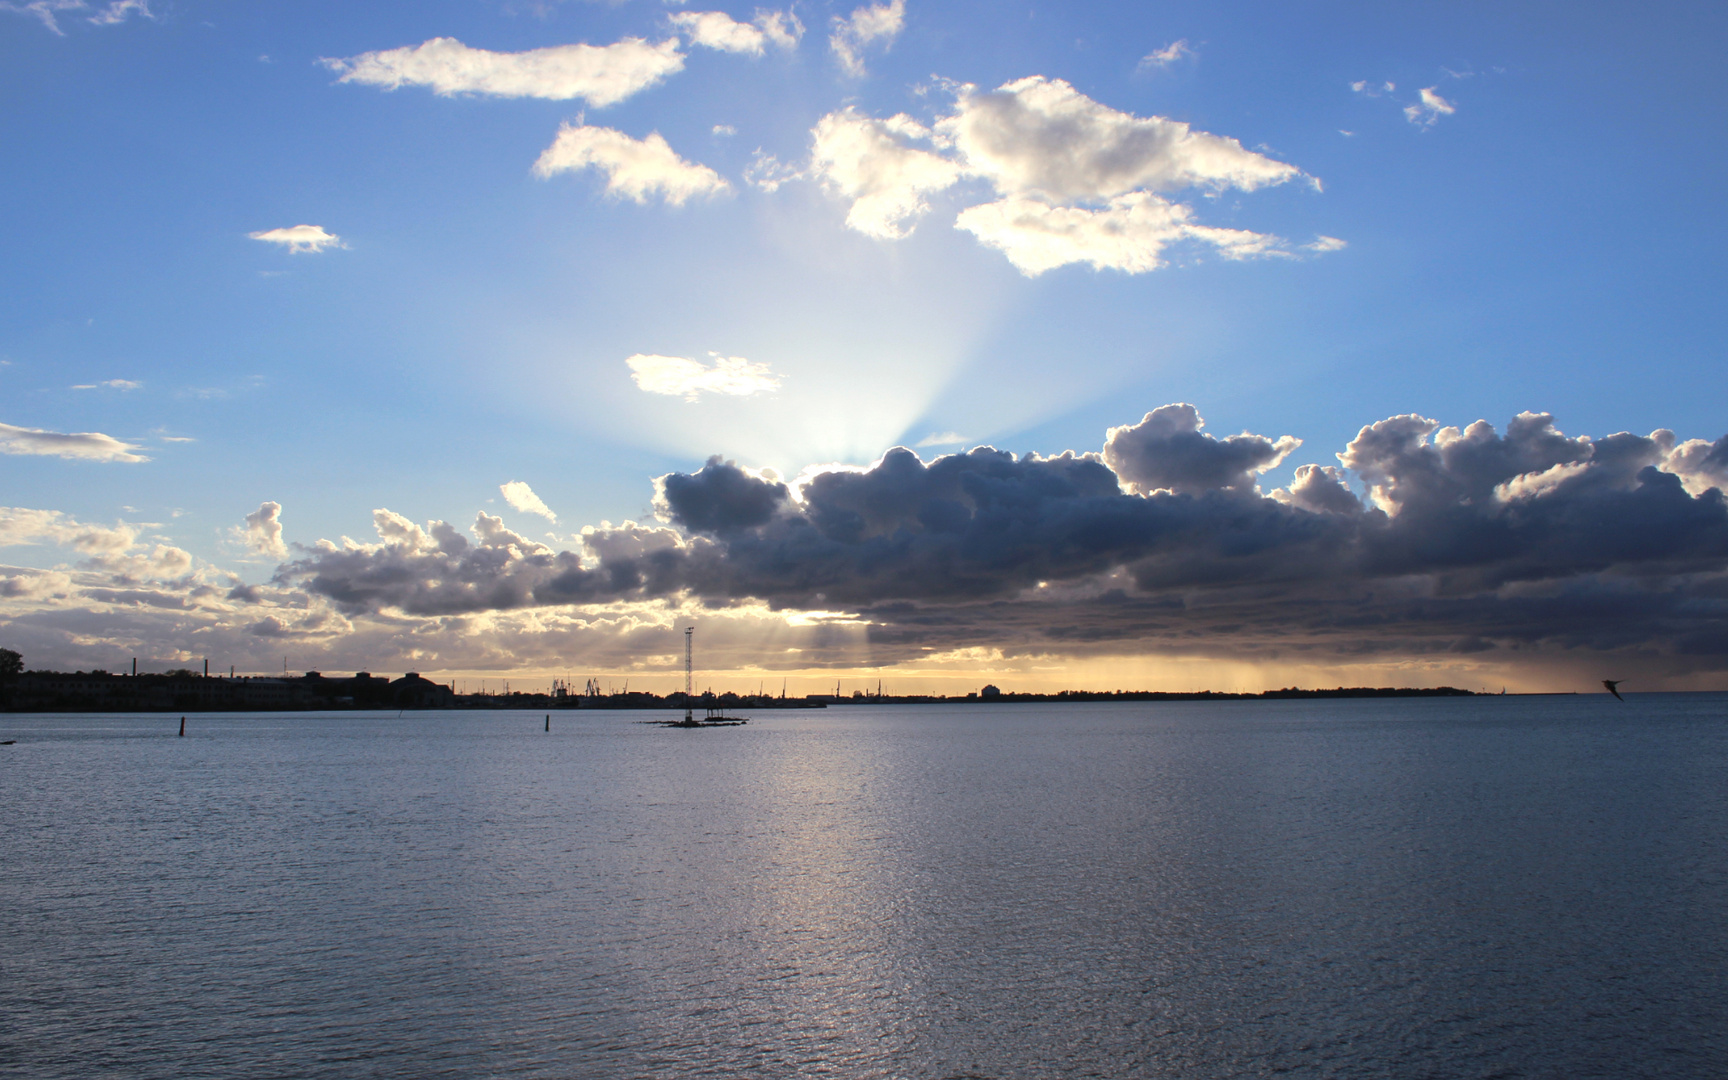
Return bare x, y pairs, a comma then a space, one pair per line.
716, 712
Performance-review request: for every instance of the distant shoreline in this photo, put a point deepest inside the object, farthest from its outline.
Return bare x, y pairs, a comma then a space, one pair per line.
42, 691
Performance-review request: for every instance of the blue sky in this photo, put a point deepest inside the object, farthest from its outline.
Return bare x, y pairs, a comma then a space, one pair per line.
1459, 211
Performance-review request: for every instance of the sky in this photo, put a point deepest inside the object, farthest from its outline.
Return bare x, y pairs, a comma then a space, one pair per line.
1152, 346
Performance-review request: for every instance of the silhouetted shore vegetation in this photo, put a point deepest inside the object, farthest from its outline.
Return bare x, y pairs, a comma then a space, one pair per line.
187, 690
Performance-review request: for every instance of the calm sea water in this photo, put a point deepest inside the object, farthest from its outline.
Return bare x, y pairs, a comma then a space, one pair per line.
1496, 887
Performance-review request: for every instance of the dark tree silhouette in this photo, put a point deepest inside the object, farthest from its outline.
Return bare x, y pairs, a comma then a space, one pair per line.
11, 663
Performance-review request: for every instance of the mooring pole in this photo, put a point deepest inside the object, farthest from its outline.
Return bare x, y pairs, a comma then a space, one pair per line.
182, 727
688, 630
548, 722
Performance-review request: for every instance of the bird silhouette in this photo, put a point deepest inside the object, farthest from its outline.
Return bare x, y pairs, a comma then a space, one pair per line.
1611, 684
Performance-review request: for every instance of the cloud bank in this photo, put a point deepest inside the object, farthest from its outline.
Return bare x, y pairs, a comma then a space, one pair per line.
1424, 544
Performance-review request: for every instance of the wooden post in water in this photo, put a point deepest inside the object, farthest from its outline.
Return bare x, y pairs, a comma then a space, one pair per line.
182, 727
548, 722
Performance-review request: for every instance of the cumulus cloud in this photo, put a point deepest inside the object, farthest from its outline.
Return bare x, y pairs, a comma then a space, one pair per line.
873, 163
300, 238
1700, 465
1528, 542
263, 531
718, 30
1158, 59
1427, 110
521, 497
1167, 451
1523, 546
601, 75
636, 169
81, 445
1041, 137
1076, 181
864, 27
679, 376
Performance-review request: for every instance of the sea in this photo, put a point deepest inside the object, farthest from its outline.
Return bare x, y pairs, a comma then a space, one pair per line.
1390, 888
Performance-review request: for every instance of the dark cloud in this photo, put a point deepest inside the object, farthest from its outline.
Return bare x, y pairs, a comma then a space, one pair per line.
1470, 542
1166, 451
719, 498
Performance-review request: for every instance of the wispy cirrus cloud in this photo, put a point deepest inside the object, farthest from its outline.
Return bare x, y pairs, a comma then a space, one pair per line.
1428, 108
79, 445
47, 11
120, 10
865, 27
1159, 59
680, 376
601, 75
110, 384
300, 239
636, 169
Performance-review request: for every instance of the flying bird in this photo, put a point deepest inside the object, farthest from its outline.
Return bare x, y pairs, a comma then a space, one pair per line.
1611, 684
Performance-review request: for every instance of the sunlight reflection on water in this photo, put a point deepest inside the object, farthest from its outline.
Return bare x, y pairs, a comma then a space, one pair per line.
1440, 888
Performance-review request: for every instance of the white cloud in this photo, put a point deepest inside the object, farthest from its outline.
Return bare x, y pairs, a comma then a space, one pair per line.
723, 131
767, 172
82, 445
598, 74
110, 384
263, 532
718, 30
120, 10
677, 376
869, 161
300, 238
1077, 181
1039, 136
44, 10
1363, 86
1159, 59
1129, 234
946, 438
1323, 244
1427, 111
878, 22
20, 527
635, 169
521, 497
